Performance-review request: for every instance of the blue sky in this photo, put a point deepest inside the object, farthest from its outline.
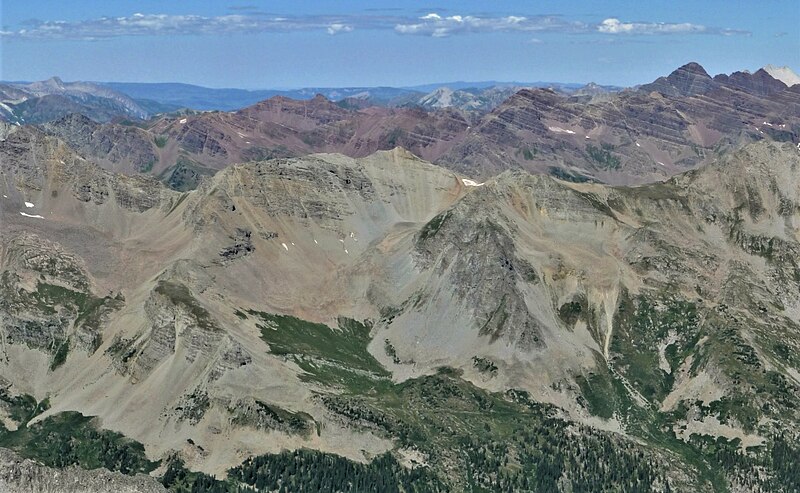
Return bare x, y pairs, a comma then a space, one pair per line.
281, 44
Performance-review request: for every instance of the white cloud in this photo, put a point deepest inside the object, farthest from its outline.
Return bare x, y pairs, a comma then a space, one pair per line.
438, 26
339, 28
615, 26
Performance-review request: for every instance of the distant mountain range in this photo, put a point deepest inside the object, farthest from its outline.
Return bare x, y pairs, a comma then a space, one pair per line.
173, 96
37, 102
590, 133
470, 96
639, 135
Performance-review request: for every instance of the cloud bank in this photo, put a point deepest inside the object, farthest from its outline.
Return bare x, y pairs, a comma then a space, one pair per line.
615, 26
246, 21
162, 24
438, 26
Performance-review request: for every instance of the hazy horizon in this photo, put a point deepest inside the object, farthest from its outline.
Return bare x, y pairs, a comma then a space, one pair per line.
409, 87
288, 45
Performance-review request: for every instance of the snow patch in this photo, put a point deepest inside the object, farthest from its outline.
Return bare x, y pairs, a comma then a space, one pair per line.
471, 183
637, 145
29, 205
560, 130
37, 216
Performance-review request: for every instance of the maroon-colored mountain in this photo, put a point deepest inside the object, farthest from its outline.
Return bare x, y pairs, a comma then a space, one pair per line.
283, 127
676, 123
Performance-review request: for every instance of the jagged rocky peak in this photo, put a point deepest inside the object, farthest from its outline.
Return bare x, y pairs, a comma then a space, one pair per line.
692, 79
759, 83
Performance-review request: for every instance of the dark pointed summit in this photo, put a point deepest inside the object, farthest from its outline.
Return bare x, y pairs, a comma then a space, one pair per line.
689, 80
692, 68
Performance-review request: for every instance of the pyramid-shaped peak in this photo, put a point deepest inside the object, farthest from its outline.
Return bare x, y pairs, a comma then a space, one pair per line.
693, 68
688, 80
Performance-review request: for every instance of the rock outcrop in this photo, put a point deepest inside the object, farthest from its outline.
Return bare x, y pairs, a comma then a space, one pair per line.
119, 148
19, 475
